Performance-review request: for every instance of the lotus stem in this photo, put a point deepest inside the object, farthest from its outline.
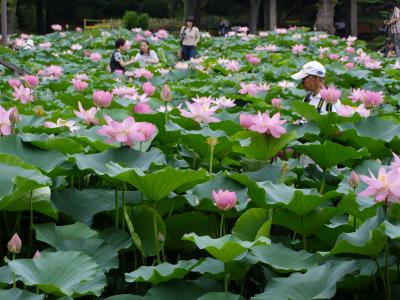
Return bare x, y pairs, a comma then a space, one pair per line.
116, 208
14, 276
321, 191
221, 226
226, 280
31, 222
123, 204
304, 234
389, 291
211, 159
155, 233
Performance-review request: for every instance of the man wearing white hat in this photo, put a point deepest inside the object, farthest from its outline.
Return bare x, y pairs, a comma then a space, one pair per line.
312, 78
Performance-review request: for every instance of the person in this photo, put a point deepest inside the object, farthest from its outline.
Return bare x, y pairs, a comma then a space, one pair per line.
224, 27
146, 56
117, 61
312, 76
189, 37
393, 25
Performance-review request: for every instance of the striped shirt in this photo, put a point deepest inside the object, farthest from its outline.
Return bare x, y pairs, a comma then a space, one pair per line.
394, 28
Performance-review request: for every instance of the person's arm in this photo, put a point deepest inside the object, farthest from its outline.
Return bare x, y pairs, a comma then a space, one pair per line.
197, 36
118, 57
154, 57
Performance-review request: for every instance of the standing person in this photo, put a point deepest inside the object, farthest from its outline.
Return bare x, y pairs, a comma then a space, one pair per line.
189, 37
393, 25
224, 27
312, 76
146, 56
117, 61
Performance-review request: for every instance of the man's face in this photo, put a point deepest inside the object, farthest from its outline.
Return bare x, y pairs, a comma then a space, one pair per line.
313, 84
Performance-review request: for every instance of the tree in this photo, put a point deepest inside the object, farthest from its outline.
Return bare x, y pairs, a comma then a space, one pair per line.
325, 16
4, 22
254, 11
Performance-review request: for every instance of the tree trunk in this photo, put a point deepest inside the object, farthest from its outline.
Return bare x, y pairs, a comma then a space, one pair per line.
254, 11
40, 16
325, 16
188, 8
197, 12
4, 22
12, 16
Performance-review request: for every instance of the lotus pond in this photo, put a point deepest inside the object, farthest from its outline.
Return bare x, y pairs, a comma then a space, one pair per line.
203, 180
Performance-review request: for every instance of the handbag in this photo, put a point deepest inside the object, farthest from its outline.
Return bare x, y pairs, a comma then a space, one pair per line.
179, 54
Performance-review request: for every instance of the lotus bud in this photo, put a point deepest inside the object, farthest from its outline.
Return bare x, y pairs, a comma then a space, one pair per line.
39, 111
166, 94
354, 180
224, 200
212, 142
14, 245
285, 167
13, 115
160, 237
37, 254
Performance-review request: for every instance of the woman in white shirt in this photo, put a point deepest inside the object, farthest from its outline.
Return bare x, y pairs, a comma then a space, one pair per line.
146, 56
189, 37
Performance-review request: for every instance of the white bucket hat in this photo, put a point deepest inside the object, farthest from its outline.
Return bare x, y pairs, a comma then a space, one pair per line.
310, 68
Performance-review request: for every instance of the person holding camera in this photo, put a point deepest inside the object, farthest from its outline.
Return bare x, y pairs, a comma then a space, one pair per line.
189, 37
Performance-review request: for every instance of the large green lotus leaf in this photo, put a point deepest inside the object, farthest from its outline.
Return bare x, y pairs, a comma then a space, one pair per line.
40, 202
6, 276
42, 159
361, 281
317, 283
373, 127
62, 144
162, 272
225, 248
249, 224
362, 208
118, 239
299, 201
210, 266
17, 294
283, 259
159, 184
330, 154
392, 231
187, 222
220, 181
83, 205
141, 218
90, 137
54, 235
262, 147
17, 179
369, 239
306, 225
124, 297
125, 156
220, 296
175, 290
61, 273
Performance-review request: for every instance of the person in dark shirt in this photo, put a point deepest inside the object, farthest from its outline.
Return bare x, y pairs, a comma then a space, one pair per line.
117, 61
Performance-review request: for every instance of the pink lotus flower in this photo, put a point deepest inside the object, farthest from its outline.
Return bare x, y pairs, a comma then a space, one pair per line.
127, 132
354, 180
297, 49
143, 73
14, 83
88, 116
264, 124
56, 27
139, 38
53, 72
23, 94
162, 34
229, 65
224, 199
350, 50
333, 56
348, 111
357, 95
126, 92
246, 120
253, 89
13, 115
373, 64
95, 57
384, 188
147, 33
330, 95
372, 99
271, 48
223, 102
166, 94
82, 77
79, 85
37, 255
349, 65
281, 30
46, 45
76, 47
148, 88
5, 122
70, 124
119, 72
253, 59
204, 100
142, 108
78, 29
335, 42
15, 244
201, 113
31, 80
276, 102
102, 98
87, 53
